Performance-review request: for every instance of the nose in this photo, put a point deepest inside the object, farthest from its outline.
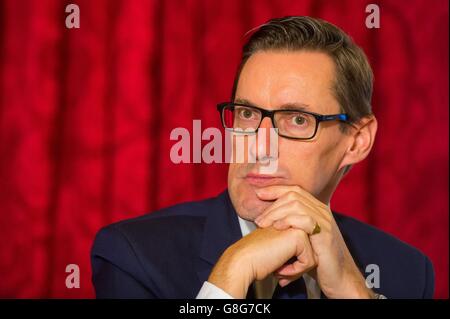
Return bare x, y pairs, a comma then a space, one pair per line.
265, 137
265, 145
266, 123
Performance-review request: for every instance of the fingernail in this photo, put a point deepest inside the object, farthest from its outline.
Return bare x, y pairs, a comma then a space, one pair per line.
262, 223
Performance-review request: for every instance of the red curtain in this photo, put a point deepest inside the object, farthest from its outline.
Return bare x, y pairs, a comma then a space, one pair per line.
86, 115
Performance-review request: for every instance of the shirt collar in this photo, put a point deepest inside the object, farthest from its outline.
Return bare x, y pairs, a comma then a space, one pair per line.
246, 226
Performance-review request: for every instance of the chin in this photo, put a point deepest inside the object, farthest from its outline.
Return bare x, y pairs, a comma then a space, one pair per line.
251, 210
248, 206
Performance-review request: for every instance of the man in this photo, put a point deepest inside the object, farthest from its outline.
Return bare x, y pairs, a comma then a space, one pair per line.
273, 235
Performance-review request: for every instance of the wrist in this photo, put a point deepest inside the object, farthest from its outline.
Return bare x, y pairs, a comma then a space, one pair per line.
362, 292
231, 275
352, 286
356, 288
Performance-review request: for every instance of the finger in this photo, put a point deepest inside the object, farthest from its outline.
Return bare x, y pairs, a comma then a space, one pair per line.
286, 194
284, 281
274, 192
303, 222
279, 212
297, 268
305, 260
291, 197
280, 209
280, 202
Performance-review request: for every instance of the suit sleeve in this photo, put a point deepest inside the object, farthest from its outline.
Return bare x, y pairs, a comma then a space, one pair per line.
116, 270
429, 282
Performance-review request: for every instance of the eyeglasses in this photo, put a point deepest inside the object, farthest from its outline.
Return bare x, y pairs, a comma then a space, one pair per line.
291, 123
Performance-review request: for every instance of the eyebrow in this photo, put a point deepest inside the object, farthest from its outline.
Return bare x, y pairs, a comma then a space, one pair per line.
287, 106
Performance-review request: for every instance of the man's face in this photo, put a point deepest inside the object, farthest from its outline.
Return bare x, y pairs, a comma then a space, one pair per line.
272, 80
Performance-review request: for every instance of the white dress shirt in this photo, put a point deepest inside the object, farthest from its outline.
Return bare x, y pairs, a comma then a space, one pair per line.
210, 291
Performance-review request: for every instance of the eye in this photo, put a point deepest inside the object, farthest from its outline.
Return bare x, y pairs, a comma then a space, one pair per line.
298, 120
246, 114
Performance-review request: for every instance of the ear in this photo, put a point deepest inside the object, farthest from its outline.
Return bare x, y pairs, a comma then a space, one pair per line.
361, 139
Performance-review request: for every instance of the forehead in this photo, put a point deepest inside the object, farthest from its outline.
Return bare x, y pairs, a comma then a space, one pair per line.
273, 79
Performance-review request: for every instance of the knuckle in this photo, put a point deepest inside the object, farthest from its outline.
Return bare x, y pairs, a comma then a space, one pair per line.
310, 220
291, 195
303, 237
286, 220
297, 205
297, 235
311, 263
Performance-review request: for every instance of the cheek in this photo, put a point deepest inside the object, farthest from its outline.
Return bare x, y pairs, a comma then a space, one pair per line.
232, 173
308, 164
297, 157
236, 183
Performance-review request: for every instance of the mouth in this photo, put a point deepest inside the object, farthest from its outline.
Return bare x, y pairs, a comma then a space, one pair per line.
262, 180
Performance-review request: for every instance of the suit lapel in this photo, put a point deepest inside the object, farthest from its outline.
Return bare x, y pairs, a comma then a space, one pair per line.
221, 230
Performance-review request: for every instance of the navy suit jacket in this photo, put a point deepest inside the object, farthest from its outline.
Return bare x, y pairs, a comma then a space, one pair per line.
170, 253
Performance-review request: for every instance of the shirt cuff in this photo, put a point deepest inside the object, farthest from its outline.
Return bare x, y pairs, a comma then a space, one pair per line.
210, 291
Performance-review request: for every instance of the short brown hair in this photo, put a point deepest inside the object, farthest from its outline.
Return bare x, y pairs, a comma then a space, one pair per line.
354, 78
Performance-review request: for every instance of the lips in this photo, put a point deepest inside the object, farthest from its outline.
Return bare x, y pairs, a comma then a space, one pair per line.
262, 180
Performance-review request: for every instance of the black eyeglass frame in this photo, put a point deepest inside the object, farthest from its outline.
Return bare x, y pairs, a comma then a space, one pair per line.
342, 117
